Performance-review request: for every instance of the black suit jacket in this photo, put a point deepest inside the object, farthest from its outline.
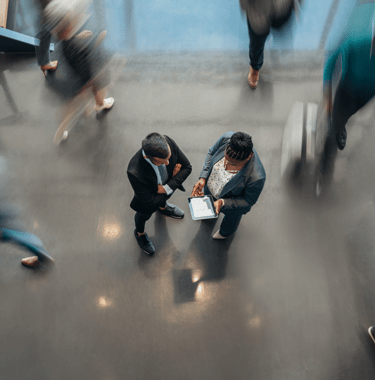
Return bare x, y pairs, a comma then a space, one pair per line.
143, 179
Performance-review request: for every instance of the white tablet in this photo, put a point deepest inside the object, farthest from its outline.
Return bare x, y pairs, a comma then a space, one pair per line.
202, 207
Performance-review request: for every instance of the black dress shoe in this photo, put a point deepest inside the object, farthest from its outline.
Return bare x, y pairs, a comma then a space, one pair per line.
172, 211
145, 243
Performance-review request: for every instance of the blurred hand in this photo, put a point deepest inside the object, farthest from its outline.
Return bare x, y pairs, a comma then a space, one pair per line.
176, 169
198, 188
85, 34
161, 190
218, 205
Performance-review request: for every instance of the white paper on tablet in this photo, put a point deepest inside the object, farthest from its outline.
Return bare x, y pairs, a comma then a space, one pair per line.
201, 207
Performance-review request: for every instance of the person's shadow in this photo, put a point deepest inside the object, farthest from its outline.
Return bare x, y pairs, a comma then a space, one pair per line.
166, 252
212, 256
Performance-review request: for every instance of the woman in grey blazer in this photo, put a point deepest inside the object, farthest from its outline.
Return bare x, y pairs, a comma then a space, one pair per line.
234, 175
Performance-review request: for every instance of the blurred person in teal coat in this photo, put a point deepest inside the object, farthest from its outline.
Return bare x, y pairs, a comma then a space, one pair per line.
355, 58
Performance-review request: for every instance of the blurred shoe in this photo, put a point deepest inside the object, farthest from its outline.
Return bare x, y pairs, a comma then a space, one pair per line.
253, 78
100, 39
31, 262
145, 243
107, 104
371, 332
217, 236
172, 211
341, 138
84, 34
52, 66
29, 241
60, 134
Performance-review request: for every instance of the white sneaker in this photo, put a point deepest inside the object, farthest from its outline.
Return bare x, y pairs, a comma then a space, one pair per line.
217, 236
107, 104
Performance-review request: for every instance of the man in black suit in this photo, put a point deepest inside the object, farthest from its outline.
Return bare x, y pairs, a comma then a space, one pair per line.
155, 172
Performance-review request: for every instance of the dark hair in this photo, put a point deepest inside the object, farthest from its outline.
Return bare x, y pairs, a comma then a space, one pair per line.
240, 146
155, 145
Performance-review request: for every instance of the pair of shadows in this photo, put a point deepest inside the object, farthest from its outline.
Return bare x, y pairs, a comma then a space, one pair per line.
212, 258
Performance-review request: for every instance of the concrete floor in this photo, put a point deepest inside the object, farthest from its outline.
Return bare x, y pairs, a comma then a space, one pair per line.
290, 297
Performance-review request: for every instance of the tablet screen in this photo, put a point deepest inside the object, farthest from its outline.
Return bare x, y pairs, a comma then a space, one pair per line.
202, 207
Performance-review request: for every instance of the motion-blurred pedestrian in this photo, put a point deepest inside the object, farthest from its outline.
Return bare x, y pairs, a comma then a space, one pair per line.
261, 15
12, 228
356, 84
81, 50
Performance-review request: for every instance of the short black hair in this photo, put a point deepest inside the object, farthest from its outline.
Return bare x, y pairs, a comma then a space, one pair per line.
240, 146
155, 145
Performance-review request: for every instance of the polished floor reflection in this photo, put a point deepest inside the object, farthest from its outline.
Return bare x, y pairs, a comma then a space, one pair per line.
290, 296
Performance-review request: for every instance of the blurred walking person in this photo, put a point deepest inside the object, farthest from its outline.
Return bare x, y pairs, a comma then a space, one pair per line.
12, 229
81, 50
355, 56
262, 15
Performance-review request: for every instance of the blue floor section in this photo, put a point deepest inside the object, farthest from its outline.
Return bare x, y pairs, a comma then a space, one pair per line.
219, 25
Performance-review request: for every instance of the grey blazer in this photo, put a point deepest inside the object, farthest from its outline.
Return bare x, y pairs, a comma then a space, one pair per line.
243, 190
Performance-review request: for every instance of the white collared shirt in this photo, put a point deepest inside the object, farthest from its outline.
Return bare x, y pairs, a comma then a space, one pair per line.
167, 189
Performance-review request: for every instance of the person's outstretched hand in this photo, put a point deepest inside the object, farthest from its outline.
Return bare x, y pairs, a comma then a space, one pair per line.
198, 188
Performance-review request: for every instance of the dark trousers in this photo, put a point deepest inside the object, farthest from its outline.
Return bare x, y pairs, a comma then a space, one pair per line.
141, 219
231, 220
346, 103
256, 47
230, 223
42, 51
